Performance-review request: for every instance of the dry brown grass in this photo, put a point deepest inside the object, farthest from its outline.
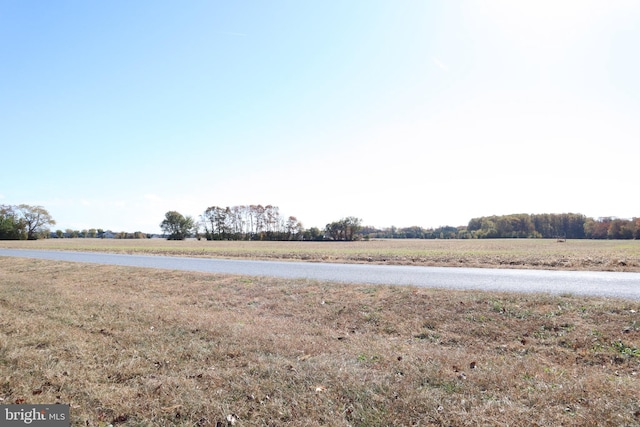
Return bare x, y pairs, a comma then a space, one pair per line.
608, 255
138, 347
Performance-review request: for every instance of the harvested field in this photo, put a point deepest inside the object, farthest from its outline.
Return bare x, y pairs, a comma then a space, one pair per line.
605, 255
135, 347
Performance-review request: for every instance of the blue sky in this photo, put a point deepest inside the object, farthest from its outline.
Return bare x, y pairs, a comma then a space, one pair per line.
400, 113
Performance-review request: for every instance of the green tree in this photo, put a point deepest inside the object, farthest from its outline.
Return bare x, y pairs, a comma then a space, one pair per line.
176, 226
627, 229
12, 227
352, 226
313, 233
24, 222
345, 229
334, 230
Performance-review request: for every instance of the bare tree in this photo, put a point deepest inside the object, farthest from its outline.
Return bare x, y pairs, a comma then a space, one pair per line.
36, 219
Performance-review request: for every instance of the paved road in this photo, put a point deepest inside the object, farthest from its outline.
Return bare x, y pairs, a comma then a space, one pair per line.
618, 285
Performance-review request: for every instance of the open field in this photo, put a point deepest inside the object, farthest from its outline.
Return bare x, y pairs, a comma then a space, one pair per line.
607, 255
136, 347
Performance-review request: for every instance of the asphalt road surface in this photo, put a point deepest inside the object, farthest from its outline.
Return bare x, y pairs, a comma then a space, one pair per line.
590, 283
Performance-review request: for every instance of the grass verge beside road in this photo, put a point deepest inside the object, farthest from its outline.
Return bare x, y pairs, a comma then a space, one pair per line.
128, 346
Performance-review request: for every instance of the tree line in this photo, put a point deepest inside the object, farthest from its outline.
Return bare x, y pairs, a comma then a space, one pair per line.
414, 232
556, 226
566, 226
253, 222
258, 222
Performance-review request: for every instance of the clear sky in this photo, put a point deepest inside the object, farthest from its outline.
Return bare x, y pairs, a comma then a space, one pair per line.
401, 113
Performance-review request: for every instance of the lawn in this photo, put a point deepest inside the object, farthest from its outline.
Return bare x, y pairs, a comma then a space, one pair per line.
136, 347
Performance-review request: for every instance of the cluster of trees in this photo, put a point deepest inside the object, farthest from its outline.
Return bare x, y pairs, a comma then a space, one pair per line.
134, 235
254, 222
567, 225
249, 222
74, 234
348, 228
24, 222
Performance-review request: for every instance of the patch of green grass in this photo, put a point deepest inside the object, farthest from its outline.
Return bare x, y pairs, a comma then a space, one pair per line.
625, 349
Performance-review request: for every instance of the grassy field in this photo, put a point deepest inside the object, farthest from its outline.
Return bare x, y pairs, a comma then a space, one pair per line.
135, 347
611, 255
